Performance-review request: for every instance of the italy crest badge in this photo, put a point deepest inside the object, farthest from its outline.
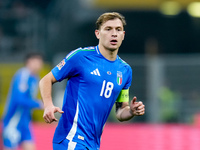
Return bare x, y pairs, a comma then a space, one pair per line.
119, 77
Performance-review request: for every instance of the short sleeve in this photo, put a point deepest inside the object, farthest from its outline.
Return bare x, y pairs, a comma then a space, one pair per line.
21, 79
68, 67
129, 78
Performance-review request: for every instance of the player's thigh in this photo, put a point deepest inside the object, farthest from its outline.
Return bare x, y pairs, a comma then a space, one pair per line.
28, 145
66, 144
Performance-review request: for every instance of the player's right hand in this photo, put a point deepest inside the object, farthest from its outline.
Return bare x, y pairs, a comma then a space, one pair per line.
49, 111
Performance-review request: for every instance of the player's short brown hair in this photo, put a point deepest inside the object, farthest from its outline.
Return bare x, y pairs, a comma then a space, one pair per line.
109, 16
33, 55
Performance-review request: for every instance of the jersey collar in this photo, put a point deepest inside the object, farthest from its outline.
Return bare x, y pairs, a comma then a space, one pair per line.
97, 49
99, 53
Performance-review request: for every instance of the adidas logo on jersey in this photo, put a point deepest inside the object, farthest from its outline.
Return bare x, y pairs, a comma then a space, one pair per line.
95, 72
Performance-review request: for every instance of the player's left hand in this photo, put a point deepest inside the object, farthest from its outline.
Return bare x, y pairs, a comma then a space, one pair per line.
137, 108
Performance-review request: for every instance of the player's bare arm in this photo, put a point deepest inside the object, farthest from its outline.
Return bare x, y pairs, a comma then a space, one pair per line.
46, 89
125, 112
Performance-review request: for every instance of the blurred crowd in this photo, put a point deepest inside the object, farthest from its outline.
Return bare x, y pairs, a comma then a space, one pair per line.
14, 15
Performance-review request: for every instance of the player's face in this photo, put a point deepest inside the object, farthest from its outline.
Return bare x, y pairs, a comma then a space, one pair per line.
111, 34
35, 65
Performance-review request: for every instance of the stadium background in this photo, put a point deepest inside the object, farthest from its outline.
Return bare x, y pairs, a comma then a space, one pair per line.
161, 45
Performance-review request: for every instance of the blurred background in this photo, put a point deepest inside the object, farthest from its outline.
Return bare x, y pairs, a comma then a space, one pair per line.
162, 45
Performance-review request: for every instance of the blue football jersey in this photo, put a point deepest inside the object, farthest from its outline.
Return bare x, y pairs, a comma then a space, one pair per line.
21, 99
93, 86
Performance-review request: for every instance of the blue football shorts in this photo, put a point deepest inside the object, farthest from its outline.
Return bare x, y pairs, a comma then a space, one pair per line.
66, 144
12, 137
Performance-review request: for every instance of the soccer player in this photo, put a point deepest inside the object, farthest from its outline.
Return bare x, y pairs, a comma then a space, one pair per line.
21, 100
97, 78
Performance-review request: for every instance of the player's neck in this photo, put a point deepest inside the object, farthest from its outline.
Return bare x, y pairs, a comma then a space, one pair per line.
108, 54
31, 70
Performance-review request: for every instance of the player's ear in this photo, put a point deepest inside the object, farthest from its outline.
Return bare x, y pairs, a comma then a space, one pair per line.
97, 34
124, 35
